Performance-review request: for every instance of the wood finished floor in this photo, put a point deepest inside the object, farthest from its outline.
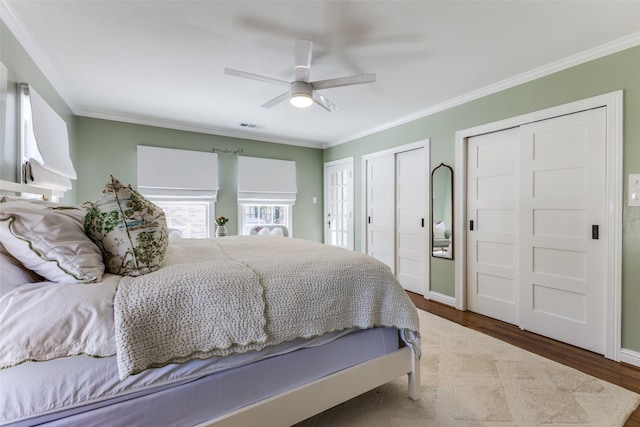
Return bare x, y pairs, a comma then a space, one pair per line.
621, 374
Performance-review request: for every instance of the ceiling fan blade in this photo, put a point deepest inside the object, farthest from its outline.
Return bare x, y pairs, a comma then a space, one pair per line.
302, 62
344, 81
322, 101
251, 76
278, 99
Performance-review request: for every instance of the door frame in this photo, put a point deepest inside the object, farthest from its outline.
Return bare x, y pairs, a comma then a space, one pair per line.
348, 163
613, 101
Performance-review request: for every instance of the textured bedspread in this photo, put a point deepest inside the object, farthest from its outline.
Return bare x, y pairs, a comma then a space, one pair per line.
238, 294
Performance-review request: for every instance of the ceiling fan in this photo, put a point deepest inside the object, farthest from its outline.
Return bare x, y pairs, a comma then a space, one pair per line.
303, 93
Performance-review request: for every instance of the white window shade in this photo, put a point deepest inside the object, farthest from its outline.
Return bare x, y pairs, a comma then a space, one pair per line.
46, 159
266, 181
171, 173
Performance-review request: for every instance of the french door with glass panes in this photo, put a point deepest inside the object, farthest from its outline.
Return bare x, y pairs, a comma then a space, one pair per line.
338, 198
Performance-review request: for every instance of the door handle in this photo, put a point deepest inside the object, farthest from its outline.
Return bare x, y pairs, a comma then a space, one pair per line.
595, 232
471, 225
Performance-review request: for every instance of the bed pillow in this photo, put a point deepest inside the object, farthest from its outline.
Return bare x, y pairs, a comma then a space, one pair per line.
277, 232
130, 230
50, 241
42, 322
14, 273
439, 229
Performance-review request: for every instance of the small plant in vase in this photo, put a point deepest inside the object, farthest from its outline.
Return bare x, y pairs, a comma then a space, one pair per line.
221, 229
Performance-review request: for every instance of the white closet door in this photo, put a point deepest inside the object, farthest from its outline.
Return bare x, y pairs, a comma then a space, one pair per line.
492, 207
381, 209
411, 192
562, 193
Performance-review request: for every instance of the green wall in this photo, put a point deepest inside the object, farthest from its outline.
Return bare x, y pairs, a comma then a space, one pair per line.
611, 73
109, 148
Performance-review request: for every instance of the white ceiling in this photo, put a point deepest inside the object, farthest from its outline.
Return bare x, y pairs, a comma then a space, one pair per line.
162, 62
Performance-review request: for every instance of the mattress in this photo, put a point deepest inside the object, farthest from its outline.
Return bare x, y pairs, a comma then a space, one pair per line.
86, 391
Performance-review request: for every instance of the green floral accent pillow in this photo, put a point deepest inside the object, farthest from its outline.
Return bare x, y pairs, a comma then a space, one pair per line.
130, 231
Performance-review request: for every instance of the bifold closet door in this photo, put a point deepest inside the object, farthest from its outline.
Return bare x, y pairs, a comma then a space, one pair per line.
562, 210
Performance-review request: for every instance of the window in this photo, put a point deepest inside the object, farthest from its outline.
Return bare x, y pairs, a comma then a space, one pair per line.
266, 192
184, 184
44, 145
190, 220
253, 215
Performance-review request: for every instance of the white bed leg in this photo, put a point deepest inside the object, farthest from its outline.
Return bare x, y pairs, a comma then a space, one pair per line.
414, 378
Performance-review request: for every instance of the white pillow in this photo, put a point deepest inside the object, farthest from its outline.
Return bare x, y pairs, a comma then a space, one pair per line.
277, 232
439, 229
264, 232
42, 322
50, 241
14, 273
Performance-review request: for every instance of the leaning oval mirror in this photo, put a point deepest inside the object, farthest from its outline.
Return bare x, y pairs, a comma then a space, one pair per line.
442, 212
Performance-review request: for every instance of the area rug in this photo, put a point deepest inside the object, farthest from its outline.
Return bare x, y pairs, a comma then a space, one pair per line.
472, 380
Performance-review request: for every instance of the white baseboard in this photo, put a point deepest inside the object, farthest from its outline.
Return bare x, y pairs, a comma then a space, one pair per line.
444, 299
629, 356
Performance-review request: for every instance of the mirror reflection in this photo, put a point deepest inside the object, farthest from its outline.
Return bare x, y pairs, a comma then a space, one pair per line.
442, 212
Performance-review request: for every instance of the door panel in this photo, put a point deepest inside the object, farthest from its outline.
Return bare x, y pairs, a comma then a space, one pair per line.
381, 209
492, 206
339, 205
562, 193
411, 191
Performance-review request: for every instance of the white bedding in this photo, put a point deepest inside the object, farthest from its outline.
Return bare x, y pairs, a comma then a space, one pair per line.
44, 390
237, 294
335, 291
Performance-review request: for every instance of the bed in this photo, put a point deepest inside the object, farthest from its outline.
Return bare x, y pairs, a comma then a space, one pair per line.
237, 331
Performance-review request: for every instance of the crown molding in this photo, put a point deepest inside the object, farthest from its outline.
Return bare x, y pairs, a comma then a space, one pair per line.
166, 124
609, 48
37, 55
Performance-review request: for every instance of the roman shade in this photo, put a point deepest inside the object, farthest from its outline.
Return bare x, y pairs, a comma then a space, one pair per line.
46, 160
266, 181
177, 174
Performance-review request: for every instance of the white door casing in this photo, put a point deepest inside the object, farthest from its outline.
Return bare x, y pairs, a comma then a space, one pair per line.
411, 214
338, 203
612, 221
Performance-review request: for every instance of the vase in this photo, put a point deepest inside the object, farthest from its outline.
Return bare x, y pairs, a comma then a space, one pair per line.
221, 231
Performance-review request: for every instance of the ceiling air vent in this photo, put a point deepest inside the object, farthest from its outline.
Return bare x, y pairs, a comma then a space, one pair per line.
251, 126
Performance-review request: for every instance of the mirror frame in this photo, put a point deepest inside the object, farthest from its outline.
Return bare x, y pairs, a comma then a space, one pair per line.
450, 257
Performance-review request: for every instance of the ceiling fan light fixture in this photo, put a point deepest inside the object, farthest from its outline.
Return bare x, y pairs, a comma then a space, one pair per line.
301, 101
301, 95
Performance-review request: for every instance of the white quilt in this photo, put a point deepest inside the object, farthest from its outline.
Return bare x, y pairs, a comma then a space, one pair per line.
238, 294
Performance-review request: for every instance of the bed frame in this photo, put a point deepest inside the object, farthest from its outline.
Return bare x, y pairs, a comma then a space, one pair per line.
14, 187
300, 403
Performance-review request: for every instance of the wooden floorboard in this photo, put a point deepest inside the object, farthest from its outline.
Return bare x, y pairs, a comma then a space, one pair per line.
621, 374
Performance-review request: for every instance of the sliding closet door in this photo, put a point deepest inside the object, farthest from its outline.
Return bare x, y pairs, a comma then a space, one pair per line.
562, 210
491, 231
381, 209
411, 192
